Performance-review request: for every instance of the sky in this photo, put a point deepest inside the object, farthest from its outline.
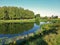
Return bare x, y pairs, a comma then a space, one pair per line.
43, 7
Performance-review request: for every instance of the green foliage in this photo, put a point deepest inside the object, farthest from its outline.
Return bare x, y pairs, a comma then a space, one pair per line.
15, 13
37, 15
54, 17
37, 19
46, 27
54, 37
6, 16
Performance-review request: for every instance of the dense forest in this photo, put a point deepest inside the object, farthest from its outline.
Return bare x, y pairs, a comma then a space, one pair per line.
13, 13
16, 13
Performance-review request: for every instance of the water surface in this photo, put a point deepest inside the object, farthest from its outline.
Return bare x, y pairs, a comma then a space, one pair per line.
10, 30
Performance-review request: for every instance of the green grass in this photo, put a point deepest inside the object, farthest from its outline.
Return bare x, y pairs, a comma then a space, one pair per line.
52, 38
17, 21
45, 20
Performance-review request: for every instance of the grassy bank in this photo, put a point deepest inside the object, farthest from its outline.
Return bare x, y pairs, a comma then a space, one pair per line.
17, 21
28, 20
53, 38
45, 20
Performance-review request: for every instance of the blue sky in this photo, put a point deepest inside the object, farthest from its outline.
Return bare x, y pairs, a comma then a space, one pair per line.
43, 7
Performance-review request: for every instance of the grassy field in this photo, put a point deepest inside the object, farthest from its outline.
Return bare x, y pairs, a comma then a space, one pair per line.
45, 20
17, 21
53, 38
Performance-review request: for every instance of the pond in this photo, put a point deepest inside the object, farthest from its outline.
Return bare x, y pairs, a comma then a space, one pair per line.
12, 30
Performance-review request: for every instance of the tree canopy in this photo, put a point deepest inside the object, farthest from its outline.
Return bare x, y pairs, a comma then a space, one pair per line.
15, 13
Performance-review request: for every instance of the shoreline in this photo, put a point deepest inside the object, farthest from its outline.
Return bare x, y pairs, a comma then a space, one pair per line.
17, 21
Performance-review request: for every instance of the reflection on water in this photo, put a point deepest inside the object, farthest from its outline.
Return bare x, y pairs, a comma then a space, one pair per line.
15, 29
11, 30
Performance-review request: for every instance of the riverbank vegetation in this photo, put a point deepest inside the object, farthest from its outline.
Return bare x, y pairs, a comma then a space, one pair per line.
49, 34
17, 21
54, 37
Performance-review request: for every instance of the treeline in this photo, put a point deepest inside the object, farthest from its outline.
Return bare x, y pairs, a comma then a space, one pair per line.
13, 13
16, 13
